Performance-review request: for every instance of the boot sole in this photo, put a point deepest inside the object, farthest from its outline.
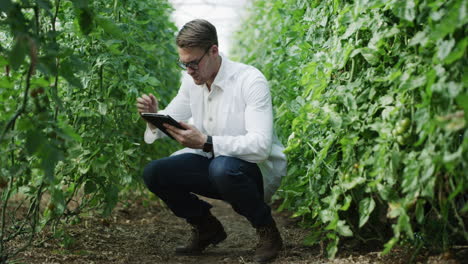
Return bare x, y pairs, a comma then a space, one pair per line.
190, 252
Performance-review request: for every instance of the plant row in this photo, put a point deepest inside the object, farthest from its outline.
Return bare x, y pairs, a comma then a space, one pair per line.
70, 137
371, 99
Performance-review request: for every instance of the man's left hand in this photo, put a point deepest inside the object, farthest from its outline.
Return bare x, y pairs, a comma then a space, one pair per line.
191, 137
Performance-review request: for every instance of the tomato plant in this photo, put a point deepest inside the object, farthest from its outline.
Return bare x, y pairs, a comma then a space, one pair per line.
379, 84
70, 132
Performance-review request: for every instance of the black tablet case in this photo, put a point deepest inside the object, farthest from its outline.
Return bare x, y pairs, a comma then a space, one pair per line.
158, 120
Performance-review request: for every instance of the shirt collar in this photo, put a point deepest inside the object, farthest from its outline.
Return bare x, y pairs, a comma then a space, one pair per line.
223, 73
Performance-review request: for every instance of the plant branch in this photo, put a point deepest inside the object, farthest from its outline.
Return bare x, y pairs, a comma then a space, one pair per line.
20, 111
35, 212
54, 19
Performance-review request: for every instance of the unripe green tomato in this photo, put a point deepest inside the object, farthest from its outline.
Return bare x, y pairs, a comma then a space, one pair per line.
401, 140
405, 123
400, 130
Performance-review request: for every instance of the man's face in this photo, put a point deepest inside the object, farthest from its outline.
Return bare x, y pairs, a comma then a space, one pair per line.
205, 61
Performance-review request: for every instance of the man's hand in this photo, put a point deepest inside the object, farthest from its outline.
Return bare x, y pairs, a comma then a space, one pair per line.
147, 104
191, 137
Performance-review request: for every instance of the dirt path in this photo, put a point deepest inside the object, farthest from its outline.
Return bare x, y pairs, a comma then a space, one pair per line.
140, 235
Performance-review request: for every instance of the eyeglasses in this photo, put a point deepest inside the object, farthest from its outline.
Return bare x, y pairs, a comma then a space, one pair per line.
193, 64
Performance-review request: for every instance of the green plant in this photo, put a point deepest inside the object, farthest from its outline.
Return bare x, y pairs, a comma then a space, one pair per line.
344, 76
70, 134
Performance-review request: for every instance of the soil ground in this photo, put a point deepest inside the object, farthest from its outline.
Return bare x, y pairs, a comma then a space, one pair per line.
138, 234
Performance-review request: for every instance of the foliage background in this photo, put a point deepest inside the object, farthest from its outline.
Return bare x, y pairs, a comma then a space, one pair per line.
372, 99
71, 73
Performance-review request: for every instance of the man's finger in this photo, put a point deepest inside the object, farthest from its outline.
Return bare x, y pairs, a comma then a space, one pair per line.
140, 105
141, 100
154, 101
147, 99
185, 125
174, 135
173, 129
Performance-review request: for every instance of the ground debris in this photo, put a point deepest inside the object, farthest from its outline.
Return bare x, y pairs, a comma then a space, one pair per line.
140, 235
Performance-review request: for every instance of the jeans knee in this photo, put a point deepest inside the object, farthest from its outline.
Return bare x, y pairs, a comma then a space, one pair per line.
150, 174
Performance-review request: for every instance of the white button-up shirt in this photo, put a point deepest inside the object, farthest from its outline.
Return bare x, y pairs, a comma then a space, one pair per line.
237, 113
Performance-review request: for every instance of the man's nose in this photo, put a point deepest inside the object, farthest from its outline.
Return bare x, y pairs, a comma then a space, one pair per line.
190, 71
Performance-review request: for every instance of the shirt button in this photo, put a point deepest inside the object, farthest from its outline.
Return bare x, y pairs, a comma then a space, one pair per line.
210, 119
209, 99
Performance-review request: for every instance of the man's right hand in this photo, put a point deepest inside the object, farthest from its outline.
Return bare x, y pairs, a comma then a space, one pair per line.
147, 104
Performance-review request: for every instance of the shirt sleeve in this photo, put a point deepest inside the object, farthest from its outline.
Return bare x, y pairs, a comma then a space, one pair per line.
255, 145
178, 108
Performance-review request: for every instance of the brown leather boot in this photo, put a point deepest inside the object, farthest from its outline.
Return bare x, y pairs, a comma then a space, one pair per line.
206, 231
269, 243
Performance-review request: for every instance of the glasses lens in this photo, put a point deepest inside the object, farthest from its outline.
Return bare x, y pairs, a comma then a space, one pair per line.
182, 65
190, 65
193, 66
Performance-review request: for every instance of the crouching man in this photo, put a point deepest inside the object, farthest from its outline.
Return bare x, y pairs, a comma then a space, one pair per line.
232, 152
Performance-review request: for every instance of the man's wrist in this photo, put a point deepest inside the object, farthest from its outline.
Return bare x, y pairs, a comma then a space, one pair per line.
205, 138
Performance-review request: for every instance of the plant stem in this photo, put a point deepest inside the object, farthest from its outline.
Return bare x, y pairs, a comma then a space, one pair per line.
20, 111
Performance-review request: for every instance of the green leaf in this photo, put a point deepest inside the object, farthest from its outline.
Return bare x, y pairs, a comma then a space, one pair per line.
343, 229
35, 140
370, 55
457, 52
102, 108
67, 70
3, 60
58, 199
454, 18
327, 216
420, 211
111, 199
347, 203
109, 27
90, 187
444, 48
366, 206
312, 238
6, 84
18, 53
153, 81
405, 9
70, 132
462, 101
353, 182
85, 20
49, 158
464, 209
419, 38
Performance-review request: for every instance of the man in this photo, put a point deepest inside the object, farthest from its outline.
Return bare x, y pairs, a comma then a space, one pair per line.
231, 151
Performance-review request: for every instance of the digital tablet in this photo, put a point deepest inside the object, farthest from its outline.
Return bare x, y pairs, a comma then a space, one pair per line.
159, 120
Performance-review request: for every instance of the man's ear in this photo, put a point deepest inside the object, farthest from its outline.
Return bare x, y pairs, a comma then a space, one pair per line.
214, 50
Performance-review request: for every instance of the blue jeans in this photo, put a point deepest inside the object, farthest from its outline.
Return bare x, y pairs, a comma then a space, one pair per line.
177, 178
